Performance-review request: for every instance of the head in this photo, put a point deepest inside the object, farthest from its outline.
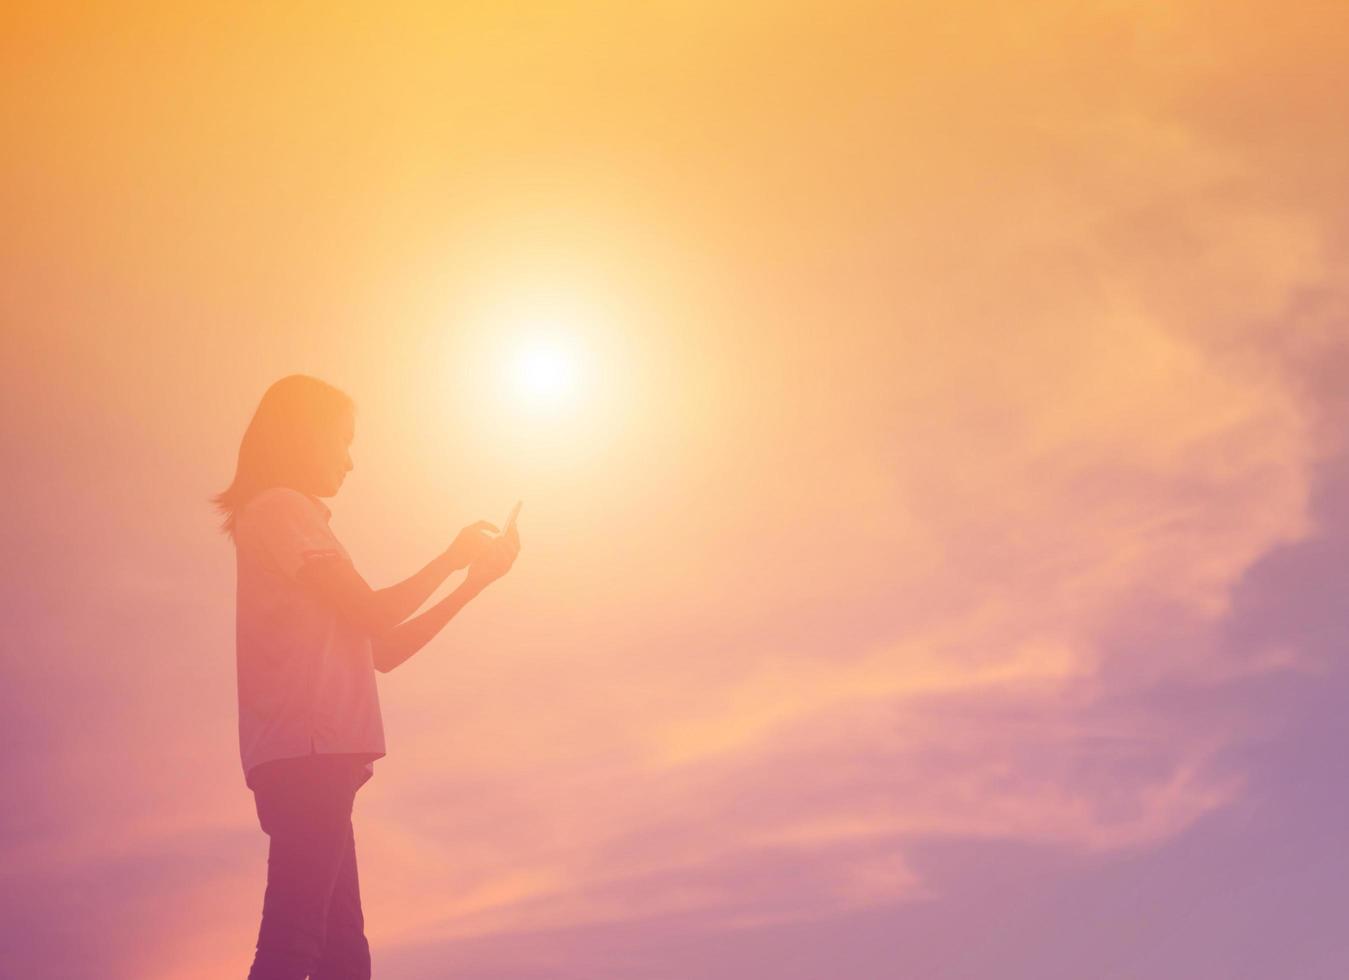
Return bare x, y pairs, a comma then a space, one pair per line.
300, 437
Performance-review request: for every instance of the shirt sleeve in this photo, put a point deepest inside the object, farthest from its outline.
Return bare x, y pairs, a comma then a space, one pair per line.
291, 532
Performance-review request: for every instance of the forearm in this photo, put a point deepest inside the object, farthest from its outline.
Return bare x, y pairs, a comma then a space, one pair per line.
396, 645
398, 602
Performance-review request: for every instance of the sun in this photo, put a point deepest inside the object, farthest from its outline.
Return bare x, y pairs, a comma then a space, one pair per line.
542, 387
543, 372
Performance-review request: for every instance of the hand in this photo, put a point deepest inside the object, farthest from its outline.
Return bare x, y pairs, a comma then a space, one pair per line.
471, 542
495, 561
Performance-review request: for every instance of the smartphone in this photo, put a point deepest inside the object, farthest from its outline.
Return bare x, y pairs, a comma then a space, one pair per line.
510, 521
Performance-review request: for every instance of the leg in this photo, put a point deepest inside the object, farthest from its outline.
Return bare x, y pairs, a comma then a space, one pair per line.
346, 953
305, 808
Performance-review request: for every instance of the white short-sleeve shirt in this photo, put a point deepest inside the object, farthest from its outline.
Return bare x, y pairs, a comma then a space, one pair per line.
306, 675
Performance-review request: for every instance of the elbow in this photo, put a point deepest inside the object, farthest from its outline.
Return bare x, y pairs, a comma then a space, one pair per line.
379, 652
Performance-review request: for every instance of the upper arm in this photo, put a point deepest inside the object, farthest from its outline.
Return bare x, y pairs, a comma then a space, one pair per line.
302, 547
336, 582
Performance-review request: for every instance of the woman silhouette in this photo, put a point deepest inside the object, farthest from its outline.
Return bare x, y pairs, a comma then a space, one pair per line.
310, 634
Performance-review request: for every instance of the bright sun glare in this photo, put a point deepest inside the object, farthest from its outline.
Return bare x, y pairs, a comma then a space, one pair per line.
544, 372
546, 388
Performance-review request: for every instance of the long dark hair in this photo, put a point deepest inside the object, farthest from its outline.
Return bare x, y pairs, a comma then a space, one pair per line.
277, 445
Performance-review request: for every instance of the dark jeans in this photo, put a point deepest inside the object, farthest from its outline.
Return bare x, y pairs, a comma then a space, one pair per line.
312, 923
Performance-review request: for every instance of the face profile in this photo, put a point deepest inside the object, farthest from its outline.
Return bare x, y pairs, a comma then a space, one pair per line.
331, 457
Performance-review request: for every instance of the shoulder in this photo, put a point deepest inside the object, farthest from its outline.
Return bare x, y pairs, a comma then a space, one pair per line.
275, 503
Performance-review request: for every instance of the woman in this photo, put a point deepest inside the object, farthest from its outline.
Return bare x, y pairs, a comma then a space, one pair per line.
310, 634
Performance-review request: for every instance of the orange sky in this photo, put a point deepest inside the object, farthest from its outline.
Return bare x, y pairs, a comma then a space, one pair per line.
958, 380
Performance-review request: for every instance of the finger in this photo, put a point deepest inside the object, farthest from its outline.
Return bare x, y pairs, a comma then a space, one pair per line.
485, 525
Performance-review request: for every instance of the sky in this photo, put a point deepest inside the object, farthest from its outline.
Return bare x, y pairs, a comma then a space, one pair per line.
935, 570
